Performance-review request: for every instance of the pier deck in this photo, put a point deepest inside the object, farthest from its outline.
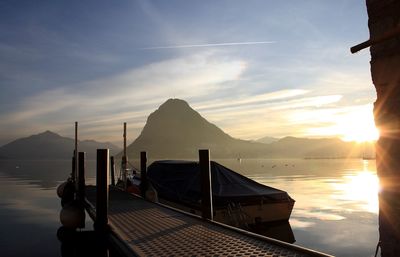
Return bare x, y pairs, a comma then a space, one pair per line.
143, 228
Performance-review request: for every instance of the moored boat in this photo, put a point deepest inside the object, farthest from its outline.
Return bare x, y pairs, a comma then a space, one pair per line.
237, 200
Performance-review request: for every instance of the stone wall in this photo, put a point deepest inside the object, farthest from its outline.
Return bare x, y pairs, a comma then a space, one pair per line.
384, 15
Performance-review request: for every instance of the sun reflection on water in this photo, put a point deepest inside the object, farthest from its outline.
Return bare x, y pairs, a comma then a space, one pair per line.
361, 187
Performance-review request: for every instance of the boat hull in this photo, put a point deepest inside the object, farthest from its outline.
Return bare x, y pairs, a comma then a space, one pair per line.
252, 214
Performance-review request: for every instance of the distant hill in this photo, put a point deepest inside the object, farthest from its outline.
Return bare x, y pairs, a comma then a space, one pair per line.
175, 130
49, 145
316, 148
267, 140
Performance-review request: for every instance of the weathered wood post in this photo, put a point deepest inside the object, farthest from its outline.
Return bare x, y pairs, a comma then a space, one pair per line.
143, 174
206, 189
81, 176
112, 164
73, 166
102, 182
81, 183
385, 70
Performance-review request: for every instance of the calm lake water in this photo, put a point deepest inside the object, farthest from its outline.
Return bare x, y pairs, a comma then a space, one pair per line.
335, 212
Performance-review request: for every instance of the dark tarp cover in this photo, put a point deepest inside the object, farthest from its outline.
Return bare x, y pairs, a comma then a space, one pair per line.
179, 181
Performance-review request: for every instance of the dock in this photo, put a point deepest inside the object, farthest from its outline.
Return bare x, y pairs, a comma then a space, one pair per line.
136, 226
143, 228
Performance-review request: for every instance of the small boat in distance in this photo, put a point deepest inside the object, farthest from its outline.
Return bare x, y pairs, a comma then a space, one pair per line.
237, 200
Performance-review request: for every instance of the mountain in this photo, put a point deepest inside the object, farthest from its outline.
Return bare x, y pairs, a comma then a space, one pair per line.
267, 140
49, 145
315, 148
175, 130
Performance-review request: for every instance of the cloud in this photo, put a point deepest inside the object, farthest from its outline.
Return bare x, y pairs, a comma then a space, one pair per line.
249, 99
208, 45
272, 116
128, 96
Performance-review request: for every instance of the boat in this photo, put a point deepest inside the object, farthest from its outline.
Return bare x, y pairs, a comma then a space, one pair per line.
237, 200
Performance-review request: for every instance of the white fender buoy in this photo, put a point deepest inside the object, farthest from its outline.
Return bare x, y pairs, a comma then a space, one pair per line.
151, 194
60, 189
72, 215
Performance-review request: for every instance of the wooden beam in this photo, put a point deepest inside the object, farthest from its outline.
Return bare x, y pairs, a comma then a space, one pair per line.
206, 189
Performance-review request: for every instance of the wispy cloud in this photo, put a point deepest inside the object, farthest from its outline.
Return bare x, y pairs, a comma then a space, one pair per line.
245, 100
128, 96
208, 45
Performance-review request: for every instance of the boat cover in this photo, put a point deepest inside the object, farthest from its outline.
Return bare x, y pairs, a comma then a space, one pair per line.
180, 181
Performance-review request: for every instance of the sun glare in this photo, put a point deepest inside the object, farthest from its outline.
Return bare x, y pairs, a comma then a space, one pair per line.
361, 187
354, 124
359, 126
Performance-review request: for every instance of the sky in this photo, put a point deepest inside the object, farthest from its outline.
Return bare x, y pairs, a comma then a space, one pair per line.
254, 68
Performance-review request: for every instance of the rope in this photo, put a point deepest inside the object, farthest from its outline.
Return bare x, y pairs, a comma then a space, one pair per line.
377, 248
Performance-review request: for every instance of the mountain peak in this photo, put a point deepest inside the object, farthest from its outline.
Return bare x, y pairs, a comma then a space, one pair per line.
174, 107
174, 103
48, 133
177, 128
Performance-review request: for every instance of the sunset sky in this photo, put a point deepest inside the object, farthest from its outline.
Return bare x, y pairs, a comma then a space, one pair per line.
253, 68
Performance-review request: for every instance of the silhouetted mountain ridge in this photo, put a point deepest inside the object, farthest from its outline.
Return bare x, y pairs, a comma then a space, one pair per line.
175, 130
49, 145
267, 140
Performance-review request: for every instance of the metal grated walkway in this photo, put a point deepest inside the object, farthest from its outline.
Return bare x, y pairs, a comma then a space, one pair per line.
149, 229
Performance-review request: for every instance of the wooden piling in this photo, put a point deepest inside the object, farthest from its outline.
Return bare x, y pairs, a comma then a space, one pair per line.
81, 184
73, 166
143, 173
102, 176
81, 176
206, 189
112, 164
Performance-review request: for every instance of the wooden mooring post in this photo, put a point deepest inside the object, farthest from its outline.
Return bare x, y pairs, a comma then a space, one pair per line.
81, 176
143, 174
112, 165
102, 182
206, 189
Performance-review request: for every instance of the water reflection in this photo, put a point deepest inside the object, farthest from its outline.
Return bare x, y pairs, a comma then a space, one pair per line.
280, 230
361, 189
84, 243
29, 218
336, 202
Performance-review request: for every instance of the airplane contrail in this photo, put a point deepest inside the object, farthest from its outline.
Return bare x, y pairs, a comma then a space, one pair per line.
208, 45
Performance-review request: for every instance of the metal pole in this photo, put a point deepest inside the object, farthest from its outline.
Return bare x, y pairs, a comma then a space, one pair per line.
102, 176
206, 189
124, 160
143, 173
112, 164
125, 139
76, 156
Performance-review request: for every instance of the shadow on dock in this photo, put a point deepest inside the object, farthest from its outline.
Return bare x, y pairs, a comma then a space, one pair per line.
84, 243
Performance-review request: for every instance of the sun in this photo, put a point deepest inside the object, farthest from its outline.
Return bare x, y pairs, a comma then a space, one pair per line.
354, 123
359, 126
